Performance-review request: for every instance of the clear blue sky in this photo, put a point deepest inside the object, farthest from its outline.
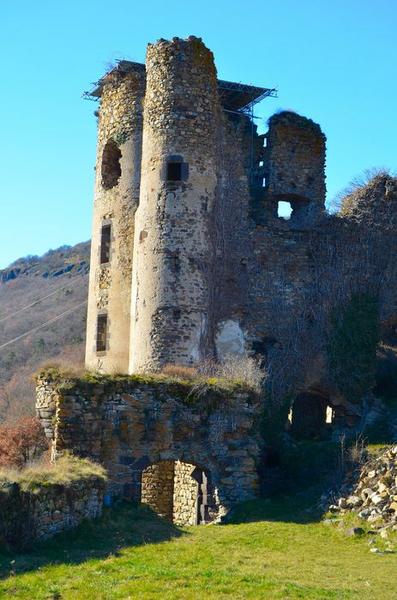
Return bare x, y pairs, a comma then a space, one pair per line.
334, 61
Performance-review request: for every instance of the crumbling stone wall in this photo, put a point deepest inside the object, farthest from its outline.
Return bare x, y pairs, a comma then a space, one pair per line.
26, 516
294, 162
128, 424
215, 270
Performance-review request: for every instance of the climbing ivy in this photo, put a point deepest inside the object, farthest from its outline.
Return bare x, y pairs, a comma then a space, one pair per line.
352, 346
121, 137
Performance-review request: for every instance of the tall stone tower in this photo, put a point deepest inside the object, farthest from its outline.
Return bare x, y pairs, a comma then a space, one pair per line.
117, 187
186, 211
173, 253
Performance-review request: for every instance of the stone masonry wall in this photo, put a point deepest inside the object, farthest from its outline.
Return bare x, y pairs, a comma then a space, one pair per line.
215, 269
294, 162
170, 490
120, 124
128, 425
158, 488
185, 495
173, 253
26, 516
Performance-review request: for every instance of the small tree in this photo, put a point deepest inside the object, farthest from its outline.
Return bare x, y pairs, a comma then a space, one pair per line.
21, 442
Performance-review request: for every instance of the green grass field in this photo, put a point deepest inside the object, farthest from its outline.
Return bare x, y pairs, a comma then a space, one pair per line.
274, 549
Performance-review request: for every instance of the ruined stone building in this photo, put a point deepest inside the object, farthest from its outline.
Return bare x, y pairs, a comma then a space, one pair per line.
191, 259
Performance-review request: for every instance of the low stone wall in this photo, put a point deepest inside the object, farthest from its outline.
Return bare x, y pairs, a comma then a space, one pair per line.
40, 513
129, 423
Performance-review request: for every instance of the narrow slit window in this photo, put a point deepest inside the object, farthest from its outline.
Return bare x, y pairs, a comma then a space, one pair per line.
105, 243
101, 333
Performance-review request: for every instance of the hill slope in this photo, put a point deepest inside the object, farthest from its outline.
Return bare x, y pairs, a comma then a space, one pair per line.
33, 291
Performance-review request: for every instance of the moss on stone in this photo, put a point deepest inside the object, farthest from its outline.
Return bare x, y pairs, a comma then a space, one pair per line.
352, 346
212, 390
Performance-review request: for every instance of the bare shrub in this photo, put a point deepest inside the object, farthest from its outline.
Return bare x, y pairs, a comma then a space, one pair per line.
21, 442
234, 368
242, 368
342, 201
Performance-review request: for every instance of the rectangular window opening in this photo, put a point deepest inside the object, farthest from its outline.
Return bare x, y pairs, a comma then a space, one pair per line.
105, 244
101, 333
174, 171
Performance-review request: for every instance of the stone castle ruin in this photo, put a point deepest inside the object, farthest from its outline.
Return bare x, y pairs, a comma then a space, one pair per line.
191, 260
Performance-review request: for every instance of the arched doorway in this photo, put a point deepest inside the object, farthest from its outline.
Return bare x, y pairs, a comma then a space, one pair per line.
311, 415
180, 492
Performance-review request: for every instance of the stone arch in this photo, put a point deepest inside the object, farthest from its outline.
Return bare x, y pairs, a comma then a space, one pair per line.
180, 492
130, 424
311, 414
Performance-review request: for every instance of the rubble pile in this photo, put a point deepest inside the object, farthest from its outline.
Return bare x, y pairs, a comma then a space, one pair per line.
374, 497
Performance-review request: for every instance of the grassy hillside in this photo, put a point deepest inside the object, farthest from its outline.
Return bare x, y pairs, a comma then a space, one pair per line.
34, 290
281, 551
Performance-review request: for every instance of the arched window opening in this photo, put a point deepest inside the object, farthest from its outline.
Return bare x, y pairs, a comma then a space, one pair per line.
111, 167
284, 210
310, 416
179, 492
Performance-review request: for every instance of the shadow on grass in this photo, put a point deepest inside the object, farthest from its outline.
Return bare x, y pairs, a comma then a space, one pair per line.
306, 471
124, 525
299, 507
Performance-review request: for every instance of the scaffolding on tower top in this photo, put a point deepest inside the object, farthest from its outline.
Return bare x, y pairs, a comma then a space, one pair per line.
234, 96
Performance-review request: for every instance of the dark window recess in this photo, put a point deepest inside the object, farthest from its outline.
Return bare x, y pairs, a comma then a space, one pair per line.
101, 333
105, 243
176, 169
110, 168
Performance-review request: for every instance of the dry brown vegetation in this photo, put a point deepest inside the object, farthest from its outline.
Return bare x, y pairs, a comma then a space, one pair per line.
62, 276
64, 471
243, 369
21, 442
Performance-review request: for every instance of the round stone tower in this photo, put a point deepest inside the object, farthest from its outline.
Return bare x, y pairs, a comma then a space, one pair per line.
173, 251
116, 199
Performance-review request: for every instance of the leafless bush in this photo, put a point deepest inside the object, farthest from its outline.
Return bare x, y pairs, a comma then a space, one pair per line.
241, 368
234, 368
21, 442
343, 199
